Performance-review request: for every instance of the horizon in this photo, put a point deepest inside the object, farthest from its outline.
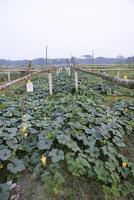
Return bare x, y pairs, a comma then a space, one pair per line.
68, 28
81, 57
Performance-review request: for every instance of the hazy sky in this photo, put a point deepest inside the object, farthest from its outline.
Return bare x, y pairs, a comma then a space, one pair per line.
67, 26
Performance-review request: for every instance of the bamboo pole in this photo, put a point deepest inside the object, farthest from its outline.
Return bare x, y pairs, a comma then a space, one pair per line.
68, 71
8, 75
50, 83
8, 84
76, 81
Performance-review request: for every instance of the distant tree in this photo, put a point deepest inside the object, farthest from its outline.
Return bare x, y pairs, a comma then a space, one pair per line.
130, 60
120, 59
72, 61
89, 58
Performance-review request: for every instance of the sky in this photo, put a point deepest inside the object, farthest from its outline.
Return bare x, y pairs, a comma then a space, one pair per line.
67, 27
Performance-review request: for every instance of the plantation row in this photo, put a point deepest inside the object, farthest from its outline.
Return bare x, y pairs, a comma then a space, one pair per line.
68, 131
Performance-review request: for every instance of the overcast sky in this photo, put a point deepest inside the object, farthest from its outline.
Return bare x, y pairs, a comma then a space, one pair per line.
67, 26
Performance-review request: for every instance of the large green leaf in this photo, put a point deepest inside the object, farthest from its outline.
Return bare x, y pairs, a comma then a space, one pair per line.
26, 117
4, 191
5, 154
43, 142
13, 131
63, 139
16, 166
12, 144
56, 155
73, 146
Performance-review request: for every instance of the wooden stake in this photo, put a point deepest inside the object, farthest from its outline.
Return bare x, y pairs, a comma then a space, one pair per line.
76, 81
46, 54
118, 74
50, 83
69, 71
8, 74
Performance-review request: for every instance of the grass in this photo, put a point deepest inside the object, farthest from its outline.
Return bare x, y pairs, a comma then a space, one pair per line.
75, 189
109, 100
129, 74
129, 66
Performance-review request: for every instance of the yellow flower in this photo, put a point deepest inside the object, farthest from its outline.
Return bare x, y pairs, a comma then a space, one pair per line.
43, 160
125, 77
24, 129
126, 109
124, 164
1, 166
26, 134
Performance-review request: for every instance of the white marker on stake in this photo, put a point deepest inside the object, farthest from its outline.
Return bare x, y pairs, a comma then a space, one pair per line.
57, 72
76, 80
125, 77
50, 83
29, 86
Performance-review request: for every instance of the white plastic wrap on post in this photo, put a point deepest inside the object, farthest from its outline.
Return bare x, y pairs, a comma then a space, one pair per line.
76, 80
8, 74
29, 86
50, 83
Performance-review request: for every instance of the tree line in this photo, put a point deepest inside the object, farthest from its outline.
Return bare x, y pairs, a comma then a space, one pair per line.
85, 59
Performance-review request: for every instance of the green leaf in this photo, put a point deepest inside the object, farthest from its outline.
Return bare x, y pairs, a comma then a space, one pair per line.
16, 166
56, 155
35, 159
119, 142
26, 117
115, 190
5, 154
43, 142
13, 143
4, 191
37, 170
63, 139
78, 166
101, 172
73, 146
13, 131
58, 181
53, 184
132, 170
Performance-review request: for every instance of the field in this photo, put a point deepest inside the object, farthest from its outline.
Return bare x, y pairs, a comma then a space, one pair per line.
68, 146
